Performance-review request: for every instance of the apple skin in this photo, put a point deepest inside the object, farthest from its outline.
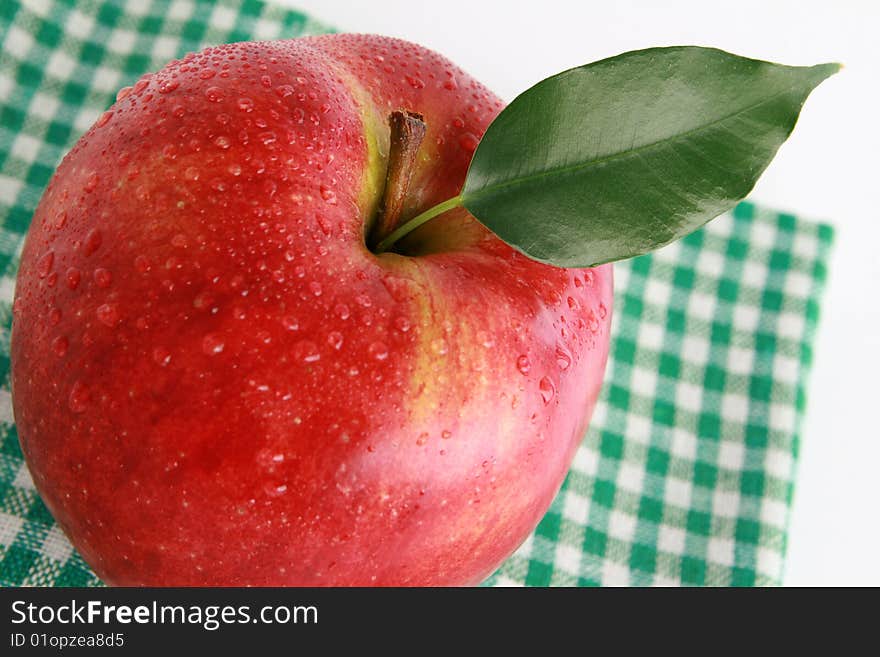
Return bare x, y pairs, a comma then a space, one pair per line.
217, 383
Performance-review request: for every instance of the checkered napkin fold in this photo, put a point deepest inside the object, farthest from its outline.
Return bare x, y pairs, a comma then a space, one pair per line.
686, 475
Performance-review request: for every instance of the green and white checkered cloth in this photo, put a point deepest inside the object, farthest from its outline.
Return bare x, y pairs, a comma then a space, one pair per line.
687, 473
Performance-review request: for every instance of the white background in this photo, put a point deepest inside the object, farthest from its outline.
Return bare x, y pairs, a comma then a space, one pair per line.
828, 170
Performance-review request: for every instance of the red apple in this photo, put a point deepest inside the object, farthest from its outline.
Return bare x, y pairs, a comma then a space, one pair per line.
216, 382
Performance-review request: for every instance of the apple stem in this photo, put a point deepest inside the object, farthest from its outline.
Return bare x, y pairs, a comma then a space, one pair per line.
415, 222
407, 131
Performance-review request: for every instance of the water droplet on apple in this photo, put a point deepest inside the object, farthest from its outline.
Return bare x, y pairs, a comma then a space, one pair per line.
122, 93
141, 84
104, 119
439, 346
592, 322
523, 364
161, 356
266, 81
44, 264
92, 242
142, 264
397, 287
72, 277
245, 104
78, 399
588, 278
563, 358
402, 324
573, 304
54, 316
60, 345
214, 94
212, 344
414, 82
446, 434
378, 350
91, 183
191, 173
342, 311
103, 277
222, 142
328, 195
422, 439
284, 90
290, 323
468, 142
324, 224
306, 351
603, 311
335, 339
207, 73
167, 86
269, 459
108, 314
275, 490
315, 288
547, 388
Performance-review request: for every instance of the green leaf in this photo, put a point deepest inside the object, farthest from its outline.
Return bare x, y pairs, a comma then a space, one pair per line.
620, 157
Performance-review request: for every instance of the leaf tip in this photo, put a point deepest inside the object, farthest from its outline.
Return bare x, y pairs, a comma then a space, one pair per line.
828, 69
